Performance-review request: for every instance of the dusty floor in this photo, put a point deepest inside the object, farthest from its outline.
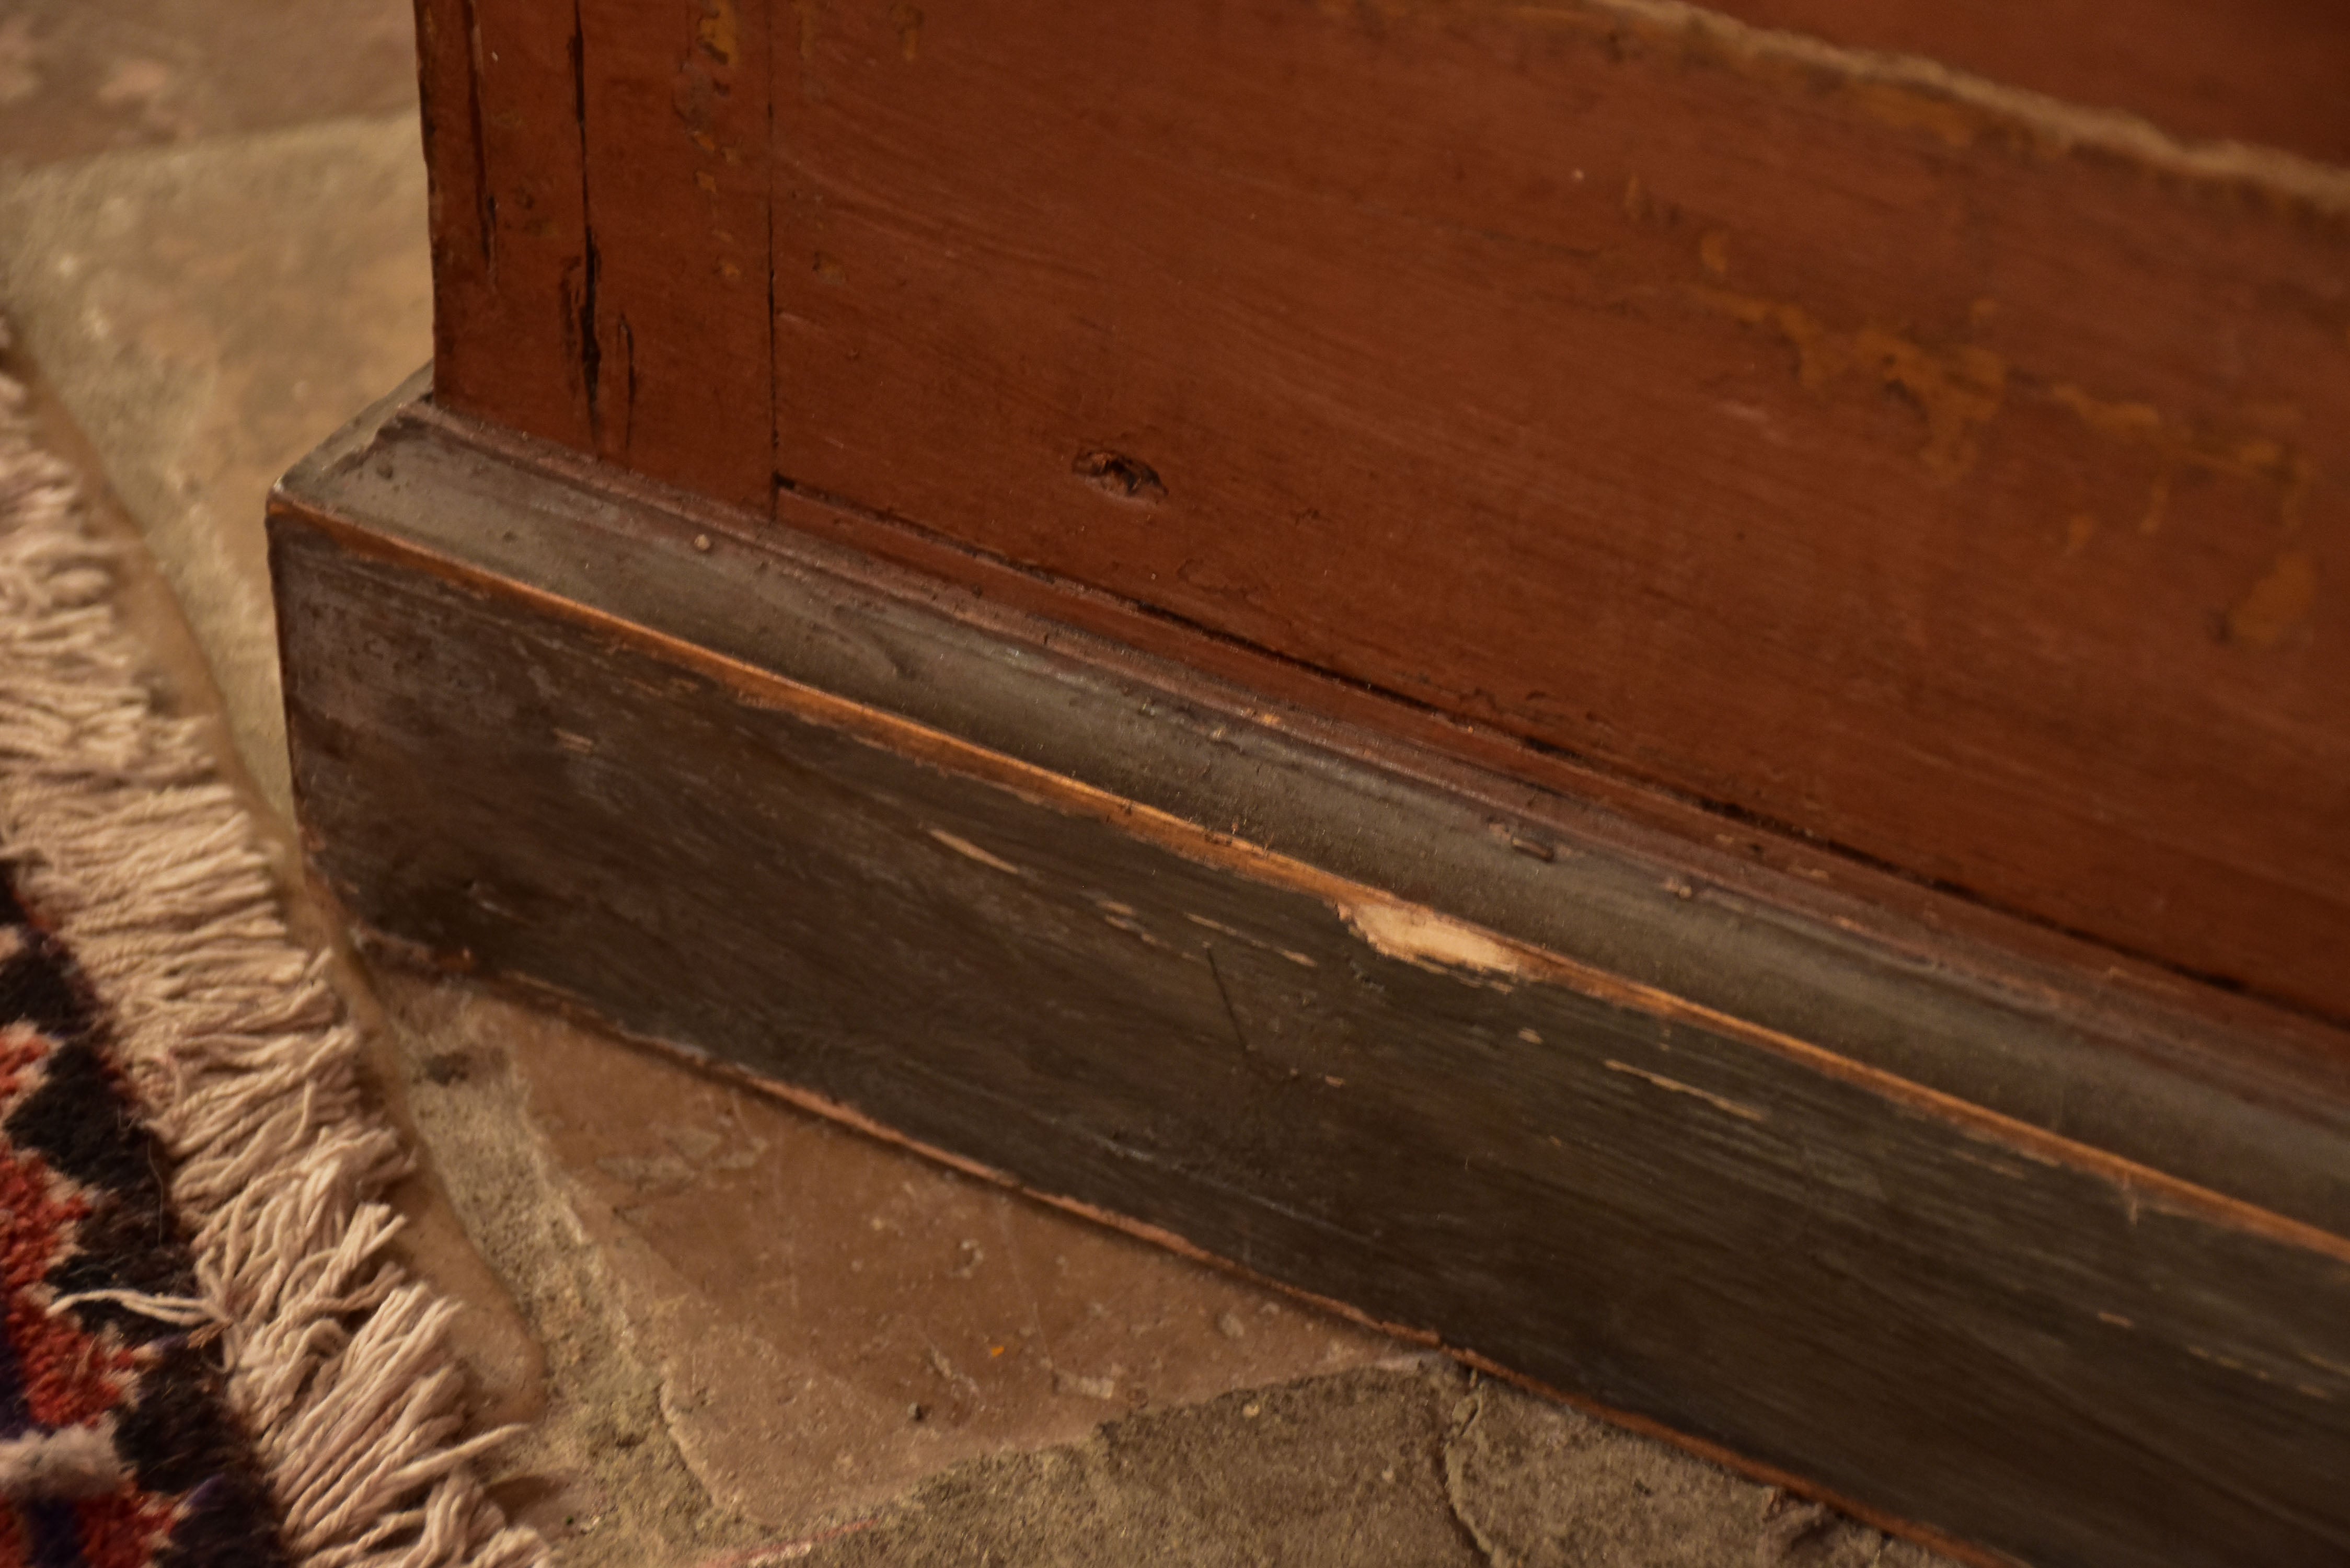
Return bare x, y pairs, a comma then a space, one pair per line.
735, 1328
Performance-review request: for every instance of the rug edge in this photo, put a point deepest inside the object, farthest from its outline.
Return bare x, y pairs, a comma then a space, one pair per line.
149, 865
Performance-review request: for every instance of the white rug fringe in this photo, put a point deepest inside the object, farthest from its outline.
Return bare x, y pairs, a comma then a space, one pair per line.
337, 1364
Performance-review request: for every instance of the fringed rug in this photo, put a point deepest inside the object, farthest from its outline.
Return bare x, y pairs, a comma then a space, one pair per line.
205, 1358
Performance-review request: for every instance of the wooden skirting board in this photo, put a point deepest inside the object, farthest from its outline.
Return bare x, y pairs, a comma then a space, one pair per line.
2033, 1266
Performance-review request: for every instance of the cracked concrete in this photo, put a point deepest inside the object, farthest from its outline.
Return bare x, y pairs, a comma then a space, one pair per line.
1408, 1461
1540, 1486
1458, 1488
600, 1470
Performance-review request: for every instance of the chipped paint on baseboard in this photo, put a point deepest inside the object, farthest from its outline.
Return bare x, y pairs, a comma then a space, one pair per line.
966, 847
1420, 936
1222, 930
1738, 1109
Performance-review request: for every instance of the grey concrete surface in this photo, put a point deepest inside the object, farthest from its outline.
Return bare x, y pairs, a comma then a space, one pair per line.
210, 312
741, 1335
79, 76
1412, 1462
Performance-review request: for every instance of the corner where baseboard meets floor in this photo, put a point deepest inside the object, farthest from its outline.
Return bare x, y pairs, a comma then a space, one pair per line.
1134, 941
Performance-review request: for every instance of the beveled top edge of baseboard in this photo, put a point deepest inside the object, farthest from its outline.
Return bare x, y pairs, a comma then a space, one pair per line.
2216, 1103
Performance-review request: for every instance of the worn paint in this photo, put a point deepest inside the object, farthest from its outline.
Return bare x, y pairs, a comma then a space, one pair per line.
1411, 932
714, 420
1421, 936
720, 31
1137, 930
1742, 1111
966, 847
746, 690
2258, 459
1305, 959
1958, 389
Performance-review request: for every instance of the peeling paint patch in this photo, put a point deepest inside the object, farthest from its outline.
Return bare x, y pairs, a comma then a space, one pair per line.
720, 31
1742, 1111
1421, 936
2258, 459
1221, 930
966, 847
1136, 929
1958, 389
2125, 421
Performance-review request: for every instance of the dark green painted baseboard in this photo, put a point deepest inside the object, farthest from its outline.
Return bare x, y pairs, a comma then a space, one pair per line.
1970, 1244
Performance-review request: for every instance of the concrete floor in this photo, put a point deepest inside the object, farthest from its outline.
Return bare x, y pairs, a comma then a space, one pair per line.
742, 1335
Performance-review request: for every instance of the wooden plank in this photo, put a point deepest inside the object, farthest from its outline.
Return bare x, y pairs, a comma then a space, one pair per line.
2120, 1056
515, 746
600, 228
1790, 434
677, 129
1951, 478
513, 279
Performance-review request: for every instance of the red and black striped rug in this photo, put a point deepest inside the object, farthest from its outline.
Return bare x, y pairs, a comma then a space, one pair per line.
117, 1447
209, 1355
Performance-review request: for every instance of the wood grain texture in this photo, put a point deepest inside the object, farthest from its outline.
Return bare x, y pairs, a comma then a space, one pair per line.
1952, 480
513, 278
1949, 1313
677, 138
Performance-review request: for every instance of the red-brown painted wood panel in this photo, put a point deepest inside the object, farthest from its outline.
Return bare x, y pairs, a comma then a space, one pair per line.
503, 143
1810, 444
678, 175
600, 219
1954, 484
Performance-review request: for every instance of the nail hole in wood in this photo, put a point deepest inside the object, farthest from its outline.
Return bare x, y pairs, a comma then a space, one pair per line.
1120, 477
